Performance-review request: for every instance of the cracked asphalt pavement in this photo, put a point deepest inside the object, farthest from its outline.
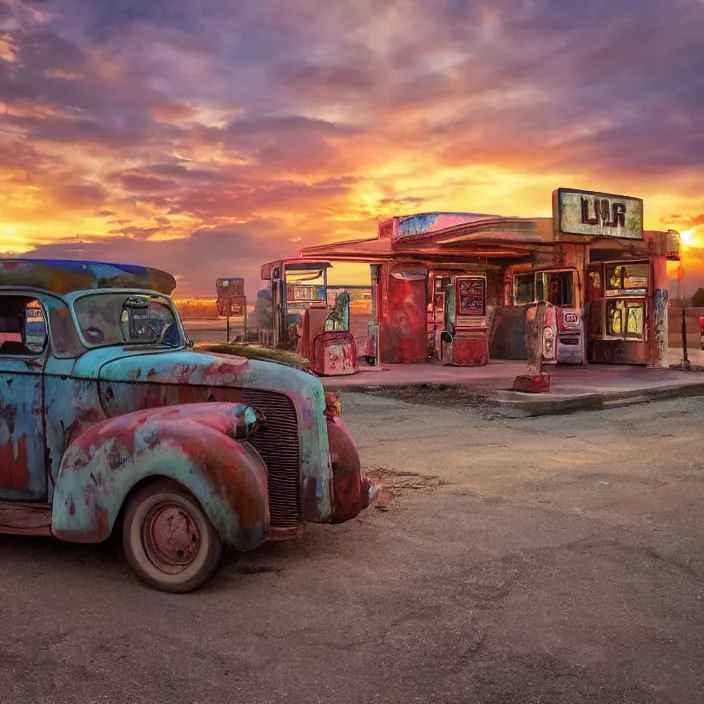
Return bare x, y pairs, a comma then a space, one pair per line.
512, 561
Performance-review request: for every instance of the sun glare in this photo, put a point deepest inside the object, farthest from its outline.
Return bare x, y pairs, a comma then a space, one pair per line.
686, 237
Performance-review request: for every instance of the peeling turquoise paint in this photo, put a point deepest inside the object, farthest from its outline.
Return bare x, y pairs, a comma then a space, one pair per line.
21, 432
424, 223
188, 444
154, 376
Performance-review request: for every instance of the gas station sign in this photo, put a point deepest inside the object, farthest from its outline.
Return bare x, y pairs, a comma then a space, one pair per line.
597, 214
230, 287
301, 293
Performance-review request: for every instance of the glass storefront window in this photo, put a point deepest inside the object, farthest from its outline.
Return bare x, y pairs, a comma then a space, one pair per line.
625, 319
614, 318
522, 288
635, 317
556, 287
627, 276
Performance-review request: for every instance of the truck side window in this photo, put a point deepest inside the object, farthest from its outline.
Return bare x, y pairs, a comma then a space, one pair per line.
22, 326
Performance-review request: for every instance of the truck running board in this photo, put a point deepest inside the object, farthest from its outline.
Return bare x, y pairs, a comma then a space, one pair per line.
24, 518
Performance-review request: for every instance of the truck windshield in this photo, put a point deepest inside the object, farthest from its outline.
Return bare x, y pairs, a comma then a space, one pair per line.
127, 319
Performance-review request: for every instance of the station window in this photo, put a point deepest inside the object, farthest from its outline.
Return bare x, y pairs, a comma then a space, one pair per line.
522, 288
556, 287
625, 319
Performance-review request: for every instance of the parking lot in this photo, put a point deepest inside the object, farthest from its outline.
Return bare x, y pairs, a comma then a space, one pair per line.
510, 560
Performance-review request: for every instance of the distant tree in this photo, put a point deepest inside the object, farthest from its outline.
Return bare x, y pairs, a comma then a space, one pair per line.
698, 298
262, 312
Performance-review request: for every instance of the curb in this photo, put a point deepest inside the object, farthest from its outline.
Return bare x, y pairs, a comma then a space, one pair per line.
535, 406
424, 385
600, 402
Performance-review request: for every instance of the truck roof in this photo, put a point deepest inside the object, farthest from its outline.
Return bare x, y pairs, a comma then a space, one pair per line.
66, 275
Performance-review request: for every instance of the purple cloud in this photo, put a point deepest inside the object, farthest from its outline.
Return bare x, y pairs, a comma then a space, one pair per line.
176, 118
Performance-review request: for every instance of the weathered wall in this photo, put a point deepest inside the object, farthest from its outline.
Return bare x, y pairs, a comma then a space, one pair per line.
692, 316
404, 320
506, 339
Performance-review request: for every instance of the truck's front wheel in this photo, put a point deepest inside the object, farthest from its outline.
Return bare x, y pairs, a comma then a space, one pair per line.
168, 539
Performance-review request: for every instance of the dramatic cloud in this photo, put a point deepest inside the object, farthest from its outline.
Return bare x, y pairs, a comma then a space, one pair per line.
219, 249
208, 137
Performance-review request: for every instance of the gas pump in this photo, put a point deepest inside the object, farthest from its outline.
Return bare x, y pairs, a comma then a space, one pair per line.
295, 285
464, 338
569, 337
327, 341
304, 320
371, 349
562, 335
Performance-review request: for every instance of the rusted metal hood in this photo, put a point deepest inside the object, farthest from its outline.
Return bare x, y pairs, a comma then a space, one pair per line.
182, 367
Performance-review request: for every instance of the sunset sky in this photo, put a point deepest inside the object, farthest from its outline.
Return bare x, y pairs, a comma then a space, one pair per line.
207, 137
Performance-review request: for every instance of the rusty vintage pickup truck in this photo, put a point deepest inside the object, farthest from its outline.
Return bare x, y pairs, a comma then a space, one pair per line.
111, 421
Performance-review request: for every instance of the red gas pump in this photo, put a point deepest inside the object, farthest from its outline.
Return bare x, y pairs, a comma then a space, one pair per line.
464, 338
327, 341
307, 319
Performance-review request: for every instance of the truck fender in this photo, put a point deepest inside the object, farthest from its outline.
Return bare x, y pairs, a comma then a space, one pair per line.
197, 445
351, 492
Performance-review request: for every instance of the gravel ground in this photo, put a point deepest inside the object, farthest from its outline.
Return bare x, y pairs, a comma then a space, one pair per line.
523, 560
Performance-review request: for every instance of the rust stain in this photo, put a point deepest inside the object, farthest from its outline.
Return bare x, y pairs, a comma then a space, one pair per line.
404, 323
197, 432
309, 502
390, 482
225, 474
347, 499
15, 465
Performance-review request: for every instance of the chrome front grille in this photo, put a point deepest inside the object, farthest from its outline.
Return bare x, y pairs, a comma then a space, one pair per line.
277, 443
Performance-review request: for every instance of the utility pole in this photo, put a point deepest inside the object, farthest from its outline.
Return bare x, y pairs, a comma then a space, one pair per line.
685, 357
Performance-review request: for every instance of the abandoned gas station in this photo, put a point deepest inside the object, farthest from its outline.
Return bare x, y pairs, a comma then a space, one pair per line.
463, 288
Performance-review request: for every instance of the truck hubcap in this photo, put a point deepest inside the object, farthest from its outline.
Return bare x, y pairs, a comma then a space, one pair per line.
171, 537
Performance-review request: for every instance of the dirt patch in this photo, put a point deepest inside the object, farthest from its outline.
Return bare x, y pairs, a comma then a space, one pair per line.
392, 481
258, 569
444, 395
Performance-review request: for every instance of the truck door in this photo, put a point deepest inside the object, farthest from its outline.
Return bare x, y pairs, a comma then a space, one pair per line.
23, 350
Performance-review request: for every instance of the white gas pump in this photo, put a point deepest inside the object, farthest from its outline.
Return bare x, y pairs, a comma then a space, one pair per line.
563, 336
570, 336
